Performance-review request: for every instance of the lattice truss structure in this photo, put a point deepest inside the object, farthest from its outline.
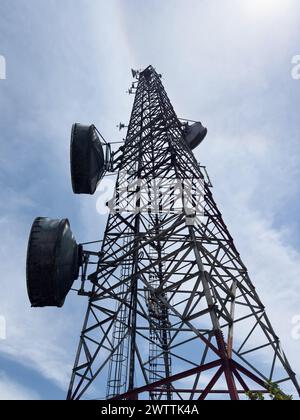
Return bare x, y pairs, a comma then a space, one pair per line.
172, 313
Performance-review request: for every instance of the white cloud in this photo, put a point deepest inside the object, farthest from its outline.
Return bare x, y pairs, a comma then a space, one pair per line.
46, 339
10, 390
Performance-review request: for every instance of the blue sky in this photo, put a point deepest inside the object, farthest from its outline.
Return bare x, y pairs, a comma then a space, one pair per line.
225, 62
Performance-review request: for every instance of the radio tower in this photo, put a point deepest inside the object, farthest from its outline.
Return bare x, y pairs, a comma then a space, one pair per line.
172, 312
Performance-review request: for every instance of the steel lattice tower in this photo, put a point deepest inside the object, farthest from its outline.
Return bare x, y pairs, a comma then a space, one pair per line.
172, 313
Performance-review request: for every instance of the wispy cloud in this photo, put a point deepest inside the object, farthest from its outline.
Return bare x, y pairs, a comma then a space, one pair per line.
10, 390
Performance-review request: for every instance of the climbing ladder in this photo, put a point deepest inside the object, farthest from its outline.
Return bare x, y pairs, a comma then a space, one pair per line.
118, 366
159, 364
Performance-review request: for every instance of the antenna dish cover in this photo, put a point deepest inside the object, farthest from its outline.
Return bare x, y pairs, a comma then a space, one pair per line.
87, 159
195, 134
52, 262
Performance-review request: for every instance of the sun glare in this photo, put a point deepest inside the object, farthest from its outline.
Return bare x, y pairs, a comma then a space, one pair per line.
266, 8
